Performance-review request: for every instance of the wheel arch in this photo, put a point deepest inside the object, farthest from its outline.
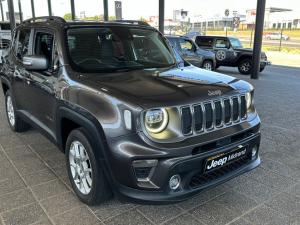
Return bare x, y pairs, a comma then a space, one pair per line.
5, 84
243, 57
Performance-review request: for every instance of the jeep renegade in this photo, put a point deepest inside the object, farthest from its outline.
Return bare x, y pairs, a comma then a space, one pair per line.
130, 122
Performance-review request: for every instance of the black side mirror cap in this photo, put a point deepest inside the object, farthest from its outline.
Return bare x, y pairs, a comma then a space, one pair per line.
35, 62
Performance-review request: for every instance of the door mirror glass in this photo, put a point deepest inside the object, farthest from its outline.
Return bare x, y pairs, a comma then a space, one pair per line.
35, 62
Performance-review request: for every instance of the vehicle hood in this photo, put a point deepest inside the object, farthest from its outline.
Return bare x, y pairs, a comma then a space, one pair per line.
158, 88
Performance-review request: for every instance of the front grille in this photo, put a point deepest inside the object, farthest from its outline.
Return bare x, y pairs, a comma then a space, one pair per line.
201, 179
211, 115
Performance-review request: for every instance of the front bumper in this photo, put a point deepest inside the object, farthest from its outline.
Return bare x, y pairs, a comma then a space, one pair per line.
264, 63
189, 166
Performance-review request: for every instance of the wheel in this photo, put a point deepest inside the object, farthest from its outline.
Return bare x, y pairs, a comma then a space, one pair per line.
85, 170
208, 65
262, 68
15, 122
245, 66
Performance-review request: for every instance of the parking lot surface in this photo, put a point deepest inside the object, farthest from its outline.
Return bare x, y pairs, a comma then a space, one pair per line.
34, 188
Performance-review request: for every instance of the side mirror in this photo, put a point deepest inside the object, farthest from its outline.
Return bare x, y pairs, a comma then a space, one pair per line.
35, 62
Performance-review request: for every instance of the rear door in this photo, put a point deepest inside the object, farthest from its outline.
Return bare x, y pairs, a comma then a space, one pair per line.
225, 54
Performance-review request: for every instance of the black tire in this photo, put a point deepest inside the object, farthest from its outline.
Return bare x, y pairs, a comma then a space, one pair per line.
99, 189
245, 66
262, 68
18, 125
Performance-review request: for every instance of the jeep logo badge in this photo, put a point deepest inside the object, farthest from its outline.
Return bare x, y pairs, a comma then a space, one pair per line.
214, 93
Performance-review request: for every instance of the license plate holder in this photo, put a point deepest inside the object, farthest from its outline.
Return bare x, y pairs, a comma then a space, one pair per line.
223, 159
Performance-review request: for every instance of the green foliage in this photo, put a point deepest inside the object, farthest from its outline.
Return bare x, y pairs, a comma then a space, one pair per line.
68, 16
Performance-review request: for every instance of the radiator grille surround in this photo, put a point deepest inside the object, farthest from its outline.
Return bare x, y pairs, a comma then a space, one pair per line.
214, 114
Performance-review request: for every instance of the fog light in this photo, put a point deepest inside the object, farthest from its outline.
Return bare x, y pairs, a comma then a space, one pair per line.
254, 152
174, 182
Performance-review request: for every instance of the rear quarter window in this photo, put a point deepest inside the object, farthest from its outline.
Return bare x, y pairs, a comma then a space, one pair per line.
205, 42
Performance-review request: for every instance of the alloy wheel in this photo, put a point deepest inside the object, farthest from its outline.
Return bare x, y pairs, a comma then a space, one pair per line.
207, 66
81, 168
10, 111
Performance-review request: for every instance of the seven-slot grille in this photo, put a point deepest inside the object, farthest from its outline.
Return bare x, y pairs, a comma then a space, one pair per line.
214, 114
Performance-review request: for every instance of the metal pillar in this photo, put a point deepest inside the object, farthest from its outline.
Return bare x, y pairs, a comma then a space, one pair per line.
49, 8
20, 10
73, 10
259, 27
161, 16
11, 12
105, 7
32, 9
1, 7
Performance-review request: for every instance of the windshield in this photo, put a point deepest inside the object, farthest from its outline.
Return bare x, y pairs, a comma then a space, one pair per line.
108, 49
236, 43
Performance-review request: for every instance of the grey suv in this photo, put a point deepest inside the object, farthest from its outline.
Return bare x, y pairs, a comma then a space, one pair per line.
190, 52
129, 121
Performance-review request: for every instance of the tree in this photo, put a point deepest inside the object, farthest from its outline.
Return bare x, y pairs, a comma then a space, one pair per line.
68, 16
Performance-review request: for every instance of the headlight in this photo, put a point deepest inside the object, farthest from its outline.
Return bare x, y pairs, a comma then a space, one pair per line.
156, 120
248, 100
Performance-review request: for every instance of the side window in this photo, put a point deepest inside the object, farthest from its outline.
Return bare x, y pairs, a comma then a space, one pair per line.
186, 45
22, 43
204, 42
44, 43
222, 43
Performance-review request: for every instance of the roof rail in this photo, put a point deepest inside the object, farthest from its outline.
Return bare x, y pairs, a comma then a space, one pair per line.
134, 22
45, 19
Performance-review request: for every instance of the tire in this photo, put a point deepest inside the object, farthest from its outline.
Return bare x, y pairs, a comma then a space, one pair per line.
245, 66
91, 187
262, 68
208, 65
16, 124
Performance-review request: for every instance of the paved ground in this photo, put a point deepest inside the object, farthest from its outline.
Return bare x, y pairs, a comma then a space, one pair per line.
34, 188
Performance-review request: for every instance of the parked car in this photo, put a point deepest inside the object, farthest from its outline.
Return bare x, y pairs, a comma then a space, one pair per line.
129, 121
193, 34
5, 37
192, 53
276, 36
230, 52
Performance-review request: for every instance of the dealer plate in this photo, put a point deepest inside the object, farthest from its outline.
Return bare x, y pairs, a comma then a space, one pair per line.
223, 159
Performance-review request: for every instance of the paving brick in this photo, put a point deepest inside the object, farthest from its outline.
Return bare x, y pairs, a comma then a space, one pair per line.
241, 221
60, 203
29, 164
183, 219
285, 203
111, 208
203, 197
77, 216
11, 184
15, 199
39, 177
265, 215
24, 215
159, 213
49, 189
10, 141
214, 213
128, 218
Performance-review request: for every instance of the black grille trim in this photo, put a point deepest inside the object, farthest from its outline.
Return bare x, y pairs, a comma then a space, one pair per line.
215, 114
186, 118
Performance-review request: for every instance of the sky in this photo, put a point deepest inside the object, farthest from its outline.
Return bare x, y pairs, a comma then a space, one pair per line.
135, 9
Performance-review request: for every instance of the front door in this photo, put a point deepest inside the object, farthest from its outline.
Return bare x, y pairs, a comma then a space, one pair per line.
40, 85
189, 53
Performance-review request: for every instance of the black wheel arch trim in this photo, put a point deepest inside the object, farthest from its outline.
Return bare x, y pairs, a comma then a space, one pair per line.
96, 134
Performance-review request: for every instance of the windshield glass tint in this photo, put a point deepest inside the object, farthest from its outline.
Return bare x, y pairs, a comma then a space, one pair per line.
236, 43
99, 49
